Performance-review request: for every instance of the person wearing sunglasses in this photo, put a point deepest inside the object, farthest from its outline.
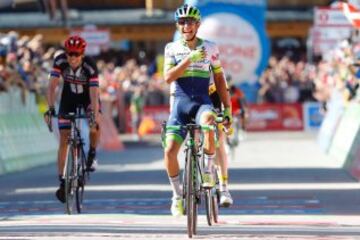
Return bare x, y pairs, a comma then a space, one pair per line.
80, 88
189, 63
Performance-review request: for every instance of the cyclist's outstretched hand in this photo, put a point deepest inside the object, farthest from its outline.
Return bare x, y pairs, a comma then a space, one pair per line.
197, 55
228, 117
48, 116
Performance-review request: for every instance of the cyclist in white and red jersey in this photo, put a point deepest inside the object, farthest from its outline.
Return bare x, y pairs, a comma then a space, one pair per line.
80, 88
188, 64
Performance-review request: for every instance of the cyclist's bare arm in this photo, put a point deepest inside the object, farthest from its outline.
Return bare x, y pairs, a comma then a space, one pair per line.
51, 91
175, 72
94, 99
221, 89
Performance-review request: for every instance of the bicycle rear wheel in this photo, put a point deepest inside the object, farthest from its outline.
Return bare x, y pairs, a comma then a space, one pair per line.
81, 180
215, 199
70, 173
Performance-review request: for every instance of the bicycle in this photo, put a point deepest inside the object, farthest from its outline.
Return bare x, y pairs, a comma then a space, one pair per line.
75, 173
192, 177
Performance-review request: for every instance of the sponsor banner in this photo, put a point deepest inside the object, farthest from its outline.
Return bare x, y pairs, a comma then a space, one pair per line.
96, 39
312, 115
267, 117
264, 117
327, 38
330, 27
327, 16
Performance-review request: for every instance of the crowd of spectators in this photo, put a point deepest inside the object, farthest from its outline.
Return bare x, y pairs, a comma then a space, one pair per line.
133, 84
24, 63
289, 81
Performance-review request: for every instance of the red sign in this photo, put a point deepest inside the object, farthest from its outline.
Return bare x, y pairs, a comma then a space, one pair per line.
267, 117
264, 117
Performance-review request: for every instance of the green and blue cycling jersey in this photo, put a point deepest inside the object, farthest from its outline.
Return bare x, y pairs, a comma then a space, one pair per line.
195, 80
190, 95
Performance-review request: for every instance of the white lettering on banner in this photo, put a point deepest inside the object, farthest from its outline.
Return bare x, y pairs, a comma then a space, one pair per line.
292, 122
238, 43
331, 27
326, 38
256, 115
330, 17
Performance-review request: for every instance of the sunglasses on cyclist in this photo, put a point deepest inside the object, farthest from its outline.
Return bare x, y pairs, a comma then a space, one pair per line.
74, 54
189, 21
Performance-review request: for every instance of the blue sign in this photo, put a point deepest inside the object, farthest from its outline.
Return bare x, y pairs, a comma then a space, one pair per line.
313, 116
238, 28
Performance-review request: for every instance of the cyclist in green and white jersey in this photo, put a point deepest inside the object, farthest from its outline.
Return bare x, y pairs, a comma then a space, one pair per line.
189, 62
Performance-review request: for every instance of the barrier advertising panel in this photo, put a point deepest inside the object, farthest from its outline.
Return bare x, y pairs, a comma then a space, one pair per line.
267, 117
347, 137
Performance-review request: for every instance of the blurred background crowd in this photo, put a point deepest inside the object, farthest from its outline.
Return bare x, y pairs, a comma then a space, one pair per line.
132, 83
130, 80
25, 62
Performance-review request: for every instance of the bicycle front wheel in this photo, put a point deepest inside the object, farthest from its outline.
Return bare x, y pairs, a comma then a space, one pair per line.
81, 180
70, 174
190, 196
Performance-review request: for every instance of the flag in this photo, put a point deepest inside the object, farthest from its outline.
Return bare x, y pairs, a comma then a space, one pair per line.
351, 13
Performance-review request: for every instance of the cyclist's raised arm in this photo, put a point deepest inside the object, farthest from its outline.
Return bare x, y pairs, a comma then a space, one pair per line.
173, 71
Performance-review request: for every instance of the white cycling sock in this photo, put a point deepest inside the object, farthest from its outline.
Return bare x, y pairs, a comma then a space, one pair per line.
208, 160
175, 185
223, 187
223, 183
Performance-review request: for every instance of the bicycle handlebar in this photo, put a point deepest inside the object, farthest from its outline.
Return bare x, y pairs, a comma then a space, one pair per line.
70, 116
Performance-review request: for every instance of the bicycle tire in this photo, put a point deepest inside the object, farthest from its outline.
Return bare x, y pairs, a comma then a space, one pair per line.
81, 180
69, 177
196, 198
208, 206
189, 194
215, 199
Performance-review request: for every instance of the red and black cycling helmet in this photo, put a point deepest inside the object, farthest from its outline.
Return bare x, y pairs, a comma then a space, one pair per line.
75, 44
